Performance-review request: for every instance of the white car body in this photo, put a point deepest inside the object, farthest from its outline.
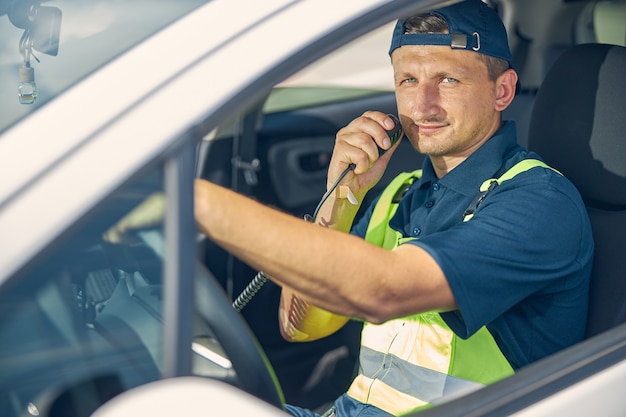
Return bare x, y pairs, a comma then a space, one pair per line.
142, 108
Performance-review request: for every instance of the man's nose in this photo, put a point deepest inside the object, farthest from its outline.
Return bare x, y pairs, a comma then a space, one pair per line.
426, 101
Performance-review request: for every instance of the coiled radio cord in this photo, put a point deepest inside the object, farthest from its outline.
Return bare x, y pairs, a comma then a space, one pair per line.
250, 291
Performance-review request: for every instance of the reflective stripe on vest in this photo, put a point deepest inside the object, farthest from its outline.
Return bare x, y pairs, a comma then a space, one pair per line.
417, 361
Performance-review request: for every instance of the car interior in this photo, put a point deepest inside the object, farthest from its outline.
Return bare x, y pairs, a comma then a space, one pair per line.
87, 300
574, 120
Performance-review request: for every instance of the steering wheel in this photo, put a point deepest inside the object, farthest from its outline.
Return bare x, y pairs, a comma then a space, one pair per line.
254, 371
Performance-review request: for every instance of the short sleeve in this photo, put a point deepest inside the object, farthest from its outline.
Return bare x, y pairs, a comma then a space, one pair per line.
530, 237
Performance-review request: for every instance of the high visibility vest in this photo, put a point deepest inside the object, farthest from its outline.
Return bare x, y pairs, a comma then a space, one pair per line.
417, 361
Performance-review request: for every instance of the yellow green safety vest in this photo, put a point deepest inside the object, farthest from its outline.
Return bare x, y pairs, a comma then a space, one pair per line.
417, 361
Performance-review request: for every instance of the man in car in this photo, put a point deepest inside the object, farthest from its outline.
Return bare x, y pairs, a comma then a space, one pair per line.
462, 272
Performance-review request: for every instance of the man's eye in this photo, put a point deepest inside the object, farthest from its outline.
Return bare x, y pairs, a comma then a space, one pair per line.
408, 81
448, 80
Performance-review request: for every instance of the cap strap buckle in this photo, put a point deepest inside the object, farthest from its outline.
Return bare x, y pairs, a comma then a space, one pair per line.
459, 41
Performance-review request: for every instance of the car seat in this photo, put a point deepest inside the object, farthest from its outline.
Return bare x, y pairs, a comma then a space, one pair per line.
578, 125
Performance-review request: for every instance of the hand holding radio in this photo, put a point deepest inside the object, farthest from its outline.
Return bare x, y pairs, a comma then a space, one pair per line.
362, 149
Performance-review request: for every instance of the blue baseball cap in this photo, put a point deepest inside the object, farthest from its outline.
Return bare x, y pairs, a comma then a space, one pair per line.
472, 25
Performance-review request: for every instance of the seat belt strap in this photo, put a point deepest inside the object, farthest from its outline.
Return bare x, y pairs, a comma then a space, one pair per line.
490, 184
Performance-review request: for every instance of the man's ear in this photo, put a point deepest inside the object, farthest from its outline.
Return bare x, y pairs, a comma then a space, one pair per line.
505, 89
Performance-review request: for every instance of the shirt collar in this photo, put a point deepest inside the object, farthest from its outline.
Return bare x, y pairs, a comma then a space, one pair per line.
483, 164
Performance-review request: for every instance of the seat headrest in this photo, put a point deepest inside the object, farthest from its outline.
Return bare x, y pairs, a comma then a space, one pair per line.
578, 123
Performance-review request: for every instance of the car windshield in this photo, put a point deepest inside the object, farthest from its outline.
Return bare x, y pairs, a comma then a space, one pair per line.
47, 47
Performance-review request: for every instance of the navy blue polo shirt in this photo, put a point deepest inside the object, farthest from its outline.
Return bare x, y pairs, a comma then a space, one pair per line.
521, 265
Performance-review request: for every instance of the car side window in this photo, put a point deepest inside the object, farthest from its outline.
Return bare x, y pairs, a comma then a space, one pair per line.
82, 320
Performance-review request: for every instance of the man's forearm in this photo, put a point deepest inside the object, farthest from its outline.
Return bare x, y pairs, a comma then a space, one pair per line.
300, 264
336, 271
